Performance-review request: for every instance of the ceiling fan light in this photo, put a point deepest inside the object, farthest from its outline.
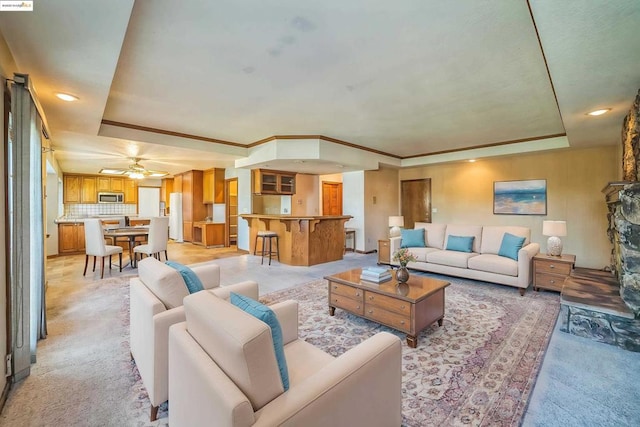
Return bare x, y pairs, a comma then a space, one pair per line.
136, 175
157, 174
599, 112
112, 171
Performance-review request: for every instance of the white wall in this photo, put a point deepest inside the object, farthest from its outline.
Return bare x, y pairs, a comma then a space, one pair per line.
244, 202
52, 208
353, 204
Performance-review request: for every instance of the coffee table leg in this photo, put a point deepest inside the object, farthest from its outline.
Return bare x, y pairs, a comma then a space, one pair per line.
332, 311
412, 341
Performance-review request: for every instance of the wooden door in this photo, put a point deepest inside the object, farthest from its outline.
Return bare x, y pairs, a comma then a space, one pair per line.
415, 201
231, 195
331, 198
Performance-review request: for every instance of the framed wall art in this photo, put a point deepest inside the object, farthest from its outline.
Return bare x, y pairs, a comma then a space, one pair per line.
527, 197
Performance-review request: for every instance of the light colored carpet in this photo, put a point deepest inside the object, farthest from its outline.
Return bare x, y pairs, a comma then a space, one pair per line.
477, 369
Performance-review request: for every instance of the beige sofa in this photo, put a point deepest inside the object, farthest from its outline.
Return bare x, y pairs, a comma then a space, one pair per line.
223, 372
155, 304
482, 263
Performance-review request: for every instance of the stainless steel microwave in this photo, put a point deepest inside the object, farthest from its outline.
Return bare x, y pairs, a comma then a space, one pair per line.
110, 197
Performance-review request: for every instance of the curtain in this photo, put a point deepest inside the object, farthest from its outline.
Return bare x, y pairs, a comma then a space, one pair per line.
26, 228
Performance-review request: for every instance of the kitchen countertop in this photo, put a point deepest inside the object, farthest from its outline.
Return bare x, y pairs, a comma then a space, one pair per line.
76, 220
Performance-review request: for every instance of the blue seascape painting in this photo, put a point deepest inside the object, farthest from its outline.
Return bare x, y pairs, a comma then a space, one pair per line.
520, 197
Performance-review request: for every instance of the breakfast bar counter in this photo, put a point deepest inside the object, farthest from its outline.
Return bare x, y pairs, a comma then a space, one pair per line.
303, 240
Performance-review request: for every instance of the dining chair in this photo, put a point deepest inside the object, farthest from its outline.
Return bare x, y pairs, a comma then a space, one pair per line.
95, 246
157, 241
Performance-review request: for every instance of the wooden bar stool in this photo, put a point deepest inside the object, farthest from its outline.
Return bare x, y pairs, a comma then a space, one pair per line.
267, 236
349, 232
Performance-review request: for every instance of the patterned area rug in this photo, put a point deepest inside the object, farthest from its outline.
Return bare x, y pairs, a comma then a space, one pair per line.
477, 369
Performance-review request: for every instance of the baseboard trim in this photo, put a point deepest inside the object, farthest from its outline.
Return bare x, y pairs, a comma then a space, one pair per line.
5, 394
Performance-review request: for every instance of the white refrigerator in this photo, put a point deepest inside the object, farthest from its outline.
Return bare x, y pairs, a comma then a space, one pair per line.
175, 217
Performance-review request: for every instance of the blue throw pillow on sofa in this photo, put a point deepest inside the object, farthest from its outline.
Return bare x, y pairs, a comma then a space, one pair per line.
410, 238
191, 280
460, 243
264, 313
511, 245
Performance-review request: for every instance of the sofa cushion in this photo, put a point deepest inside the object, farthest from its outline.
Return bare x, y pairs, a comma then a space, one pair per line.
451, 258
511, 245
421, 253
191, 280
165, 282
494, 264
492, 237
460, 243
412, 238
264, 313
434, 233
240, 344
466, 230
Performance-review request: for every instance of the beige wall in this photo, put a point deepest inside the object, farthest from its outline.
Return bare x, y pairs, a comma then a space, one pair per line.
380, 202
462, 193
305, 201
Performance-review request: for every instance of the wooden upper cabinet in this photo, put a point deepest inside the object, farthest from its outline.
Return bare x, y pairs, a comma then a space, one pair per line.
166, 188
89, 192
213, 186
71, 192
131, 191
104, 184
110, 184
273, 182
117, 184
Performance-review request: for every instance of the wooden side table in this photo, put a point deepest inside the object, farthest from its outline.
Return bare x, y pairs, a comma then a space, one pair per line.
384, 254
549, 272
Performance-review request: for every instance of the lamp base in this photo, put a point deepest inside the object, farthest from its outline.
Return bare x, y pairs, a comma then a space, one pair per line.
394, 231
554, 246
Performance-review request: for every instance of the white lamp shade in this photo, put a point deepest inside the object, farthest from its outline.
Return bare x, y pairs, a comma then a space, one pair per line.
554, 228
396, 221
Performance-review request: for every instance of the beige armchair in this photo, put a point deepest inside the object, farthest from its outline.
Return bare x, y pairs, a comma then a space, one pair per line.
223, 372
155, 304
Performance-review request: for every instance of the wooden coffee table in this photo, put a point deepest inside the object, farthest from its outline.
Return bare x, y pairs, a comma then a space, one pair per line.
406, 307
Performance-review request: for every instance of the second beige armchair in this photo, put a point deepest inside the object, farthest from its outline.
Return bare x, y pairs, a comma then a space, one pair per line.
223, 371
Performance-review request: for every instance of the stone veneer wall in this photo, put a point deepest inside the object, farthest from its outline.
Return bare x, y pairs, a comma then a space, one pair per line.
627, 223
631, 143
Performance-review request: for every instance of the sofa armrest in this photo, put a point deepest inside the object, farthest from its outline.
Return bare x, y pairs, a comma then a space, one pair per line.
287, 314
208, 273
525, 261
248, 288
394, 245
342, 390
143, 306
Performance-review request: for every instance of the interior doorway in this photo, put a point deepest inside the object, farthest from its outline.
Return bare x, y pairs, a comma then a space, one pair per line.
231, 202
415, 201
331, 198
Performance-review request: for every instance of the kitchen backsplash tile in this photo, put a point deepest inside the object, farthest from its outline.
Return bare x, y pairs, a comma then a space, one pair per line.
82, 210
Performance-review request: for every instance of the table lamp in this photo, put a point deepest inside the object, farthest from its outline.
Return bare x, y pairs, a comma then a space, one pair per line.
555, 229
395, 222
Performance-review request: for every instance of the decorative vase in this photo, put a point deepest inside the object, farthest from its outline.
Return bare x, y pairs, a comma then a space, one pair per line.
402, 289
402, 275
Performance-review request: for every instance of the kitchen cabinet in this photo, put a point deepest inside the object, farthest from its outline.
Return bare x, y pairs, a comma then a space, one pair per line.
273, 182
71, 238
110, 185
166, 188
193, 208
89, 193
104, 184
213, 186
131, 191
208, 234
71, 189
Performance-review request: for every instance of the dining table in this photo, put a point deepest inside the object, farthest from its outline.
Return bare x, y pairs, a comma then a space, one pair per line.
131, 233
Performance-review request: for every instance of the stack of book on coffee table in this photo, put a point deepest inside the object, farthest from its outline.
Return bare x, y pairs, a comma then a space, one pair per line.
375, 274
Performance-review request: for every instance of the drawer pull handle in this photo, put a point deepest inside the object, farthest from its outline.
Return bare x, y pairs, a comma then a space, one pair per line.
370, 311
552, 266
402, 307
402, 322
552, 281
357, 294
335, 287
371, 297
358, 307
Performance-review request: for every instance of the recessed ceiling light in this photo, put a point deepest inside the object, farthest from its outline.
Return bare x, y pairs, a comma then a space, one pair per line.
599, 112
472, 160
67, 97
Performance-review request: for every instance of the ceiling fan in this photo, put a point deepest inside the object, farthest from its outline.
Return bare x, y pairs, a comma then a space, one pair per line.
135, 171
